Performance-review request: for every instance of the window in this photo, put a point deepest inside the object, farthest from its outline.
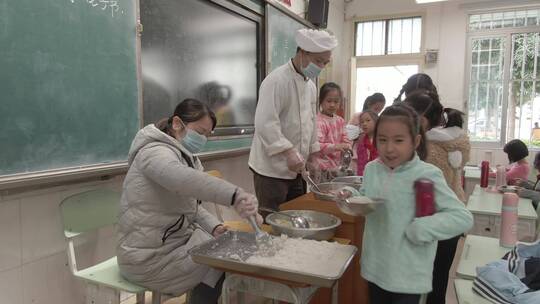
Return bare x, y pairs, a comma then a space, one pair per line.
387, 54
504, 77
390, 36
504, 20
524, 95
387, 80
485, 89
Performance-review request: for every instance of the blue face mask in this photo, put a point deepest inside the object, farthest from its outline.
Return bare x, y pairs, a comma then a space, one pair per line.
312, 71
193, 141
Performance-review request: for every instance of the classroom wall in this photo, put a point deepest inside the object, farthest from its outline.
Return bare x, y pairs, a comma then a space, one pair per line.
298, 7
336, 15
445, 30
33, 260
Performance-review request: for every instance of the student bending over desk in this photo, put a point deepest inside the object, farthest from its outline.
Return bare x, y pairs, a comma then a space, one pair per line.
517, 153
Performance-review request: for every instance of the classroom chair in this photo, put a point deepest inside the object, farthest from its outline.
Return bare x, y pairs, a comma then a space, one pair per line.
86, 212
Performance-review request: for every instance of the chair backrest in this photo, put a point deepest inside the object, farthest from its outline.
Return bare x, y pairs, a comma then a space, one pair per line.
89, 211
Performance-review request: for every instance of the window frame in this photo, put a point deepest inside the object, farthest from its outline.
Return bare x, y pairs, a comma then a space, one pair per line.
383, 60
506, 34
421, 15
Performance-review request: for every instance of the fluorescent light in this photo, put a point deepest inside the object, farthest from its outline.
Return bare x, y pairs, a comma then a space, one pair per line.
428, 1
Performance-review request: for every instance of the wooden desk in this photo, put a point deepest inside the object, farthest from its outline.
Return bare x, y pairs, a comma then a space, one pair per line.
352, 288
478, 251
486, 209
465, 294
472, 178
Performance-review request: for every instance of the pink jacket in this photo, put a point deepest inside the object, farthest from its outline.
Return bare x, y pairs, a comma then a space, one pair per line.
514, 171
331, 131
366, 152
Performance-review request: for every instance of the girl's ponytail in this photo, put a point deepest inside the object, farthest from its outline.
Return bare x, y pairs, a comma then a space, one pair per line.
398, 98
453, 118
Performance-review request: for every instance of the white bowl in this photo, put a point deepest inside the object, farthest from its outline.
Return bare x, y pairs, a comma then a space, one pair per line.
358, 205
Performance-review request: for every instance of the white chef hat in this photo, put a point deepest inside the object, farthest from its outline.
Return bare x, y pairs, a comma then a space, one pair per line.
315, 41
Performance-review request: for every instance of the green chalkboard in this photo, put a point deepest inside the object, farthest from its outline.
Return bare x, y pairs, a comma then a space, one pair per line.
68, 83
280, 34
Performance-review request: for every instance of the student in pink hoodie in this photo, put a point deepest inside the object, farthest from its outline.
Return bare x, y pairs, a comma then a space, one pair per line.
331, 132
366, 149
517, 153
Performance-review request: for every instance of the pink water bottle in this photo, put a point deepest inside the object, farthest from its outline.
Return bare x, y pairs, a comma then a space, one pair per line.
509, 220
425, 197
501, 177
484, 174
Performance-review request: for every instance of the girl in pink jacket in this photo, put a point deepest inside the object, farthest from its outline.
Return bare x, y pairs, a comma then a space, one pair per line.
517, 152
331, 132
366, 150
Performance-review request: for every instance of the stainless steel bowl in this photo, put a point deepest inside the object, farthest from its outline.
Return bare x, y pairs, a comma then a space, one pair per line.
354, 179
322, 225
329, 190
359, 205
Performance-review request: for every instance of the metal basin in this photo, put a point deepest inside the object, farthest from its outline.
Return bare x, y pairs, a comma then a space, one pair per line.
322, 225
354, 179
329, 190
359, 205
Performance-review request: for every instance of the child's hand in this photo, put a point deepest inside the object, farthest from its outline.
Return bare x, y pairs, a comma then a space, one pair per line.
342, 147
519, 182
417, 234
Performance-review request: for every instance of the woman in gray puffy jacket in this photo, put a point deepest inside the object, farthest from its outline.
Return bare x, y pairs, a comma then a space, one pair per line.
161, 216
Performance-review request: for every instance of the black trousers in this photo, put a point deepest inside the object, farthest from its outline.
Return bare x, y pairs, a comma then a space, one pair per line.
272, 192
446, 250
378, 295
204, 294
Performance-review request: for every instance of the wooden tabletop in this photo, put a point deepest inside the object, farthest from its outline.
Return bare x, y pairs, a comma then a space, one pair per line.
472, 172
483, 201
465, 294
478, 251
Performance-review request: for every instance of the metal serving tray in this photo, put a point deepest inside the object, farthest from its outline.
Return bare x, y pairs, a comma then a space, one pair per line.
241, 245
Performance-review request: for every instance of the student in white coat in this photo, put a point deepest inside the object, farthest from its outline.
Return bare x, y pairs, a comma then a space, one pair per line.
285, 120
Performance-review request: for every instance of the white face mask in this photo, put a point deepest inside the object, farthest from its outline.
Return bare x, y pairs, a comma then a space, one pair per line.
352, 131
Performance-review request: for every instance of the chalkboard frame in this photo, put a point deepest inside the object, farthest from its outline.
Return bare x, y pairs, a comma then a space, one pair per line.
19, 182
273, 4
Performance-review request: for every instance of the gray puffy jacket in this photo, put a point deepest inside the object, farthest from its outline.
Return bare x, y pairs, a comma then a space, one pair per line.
160, 218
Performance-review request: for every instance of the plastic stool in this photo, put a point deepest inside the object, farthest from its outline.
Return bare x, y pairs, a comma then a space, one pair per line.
265, 288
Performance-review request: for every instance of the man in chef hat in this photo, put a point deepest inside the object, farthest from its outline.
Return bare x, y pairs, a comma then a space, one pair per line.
285, 120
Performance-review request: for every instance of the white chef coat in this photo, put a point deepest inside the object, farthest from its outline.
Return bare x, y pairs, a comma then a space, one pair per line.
285, 118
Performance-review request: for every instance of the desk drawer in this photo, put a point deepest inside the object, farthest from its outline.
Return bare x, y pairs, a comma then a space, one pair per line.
484, 225
526, 229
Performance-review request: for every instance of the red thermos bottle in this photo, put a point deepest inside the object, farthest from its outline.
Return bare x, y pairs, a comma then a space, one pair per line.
425, 197
484, 174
